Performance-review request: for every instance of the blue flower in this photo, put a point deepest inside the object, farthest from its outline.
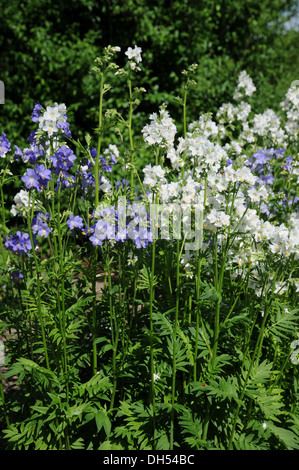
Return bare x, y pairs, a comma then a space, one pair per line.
19, 244
36, 112
31, 179
28, 155
65, 127
62, 162
4, 145
63, 159
74, 222
37, 178
16, 276
44, 175
87, 178
107, 166
288, 165
40, 225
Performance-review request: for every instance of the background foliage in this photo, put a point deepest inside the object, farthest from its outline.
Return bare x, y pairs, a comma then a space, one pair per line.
47, 49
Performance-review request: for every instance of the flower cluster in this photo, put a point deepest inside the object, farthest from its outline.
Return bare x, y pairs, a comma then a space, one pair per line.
74, 222
21, 203
4, 145
291, 106
52, 119
29, 155
161, 130
37, 177
62, 163
126, 222
245, 86
210, 171
19, 244
40, 225
134, 56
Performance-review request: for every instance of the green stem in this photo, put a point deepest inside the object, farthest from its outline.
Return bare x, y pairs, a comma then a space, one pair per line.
218, 285
131, 139
177, 305
39, 308
152, 296
2, 398
99, 142
114, 329
198, 316
184, 127
255, 357
94, 323
198, 282
96, 176
61, 275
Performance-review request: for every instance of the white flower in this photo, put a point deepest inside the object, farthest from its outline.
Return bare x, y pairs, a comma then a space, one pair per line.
105, 185
153, 175
134, 54
226, 113
169, 191
49, 127
132, 259
133, 67
258, 194
218, 219
161, 130
206, 126
112, 149
52, 113
245, 84
242, 110
21, 200
173, 155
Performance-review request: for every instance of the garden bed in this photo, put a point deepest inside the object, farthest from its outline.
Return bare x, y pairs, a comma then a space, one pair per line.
180, 328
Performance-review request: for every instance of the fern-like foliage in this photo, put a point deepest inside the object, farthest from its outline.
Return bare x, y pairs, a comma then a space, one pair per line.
283, 323
137, 422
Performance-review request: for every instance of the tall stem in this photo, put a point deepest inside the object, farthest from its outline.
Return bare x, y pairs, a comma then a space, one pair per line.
96, 167
131, 139
152, 296
62, 313
218, 285
177, 305
114, 325
198, 280
94, 262
255, 357
2, 398
39, 308
198, 315
184, 127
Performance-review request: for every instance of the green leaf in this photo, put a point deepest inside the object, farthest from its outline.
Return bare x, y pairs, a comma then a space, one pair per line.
97, 383
283, 324
145, 280
103, 421
285, 436
223, 388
